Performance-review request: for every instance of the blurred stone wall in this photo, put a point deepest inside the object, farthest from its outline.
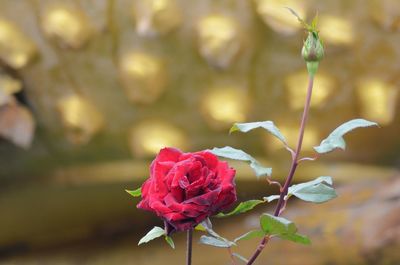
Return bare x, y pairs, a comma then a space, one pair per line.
97, 81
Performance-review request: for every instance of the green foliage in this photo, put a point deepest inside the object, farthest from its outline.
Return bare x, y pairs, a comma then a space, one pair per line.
267, 125
318, 190
250, 235
242, 208
152, 234
216, 242
135, 193
200, 227
335, 139
170, 242
283, 228
214, 239
236, 154
271, 198
273, 225
297, 238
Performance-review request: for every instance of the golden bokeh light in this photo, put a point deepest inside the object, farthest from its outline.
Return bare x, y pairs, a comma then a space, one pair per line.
386, 13
148, 137
219, 40
311, 138
143, 76
69, 27
16, 49
80, 118
377, 99
156, 17
296, 89
273, 13
224, 105
336, 30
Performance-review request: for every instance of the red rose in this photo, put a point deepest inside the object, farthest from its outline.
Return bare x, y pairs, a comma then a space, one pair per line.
186, 188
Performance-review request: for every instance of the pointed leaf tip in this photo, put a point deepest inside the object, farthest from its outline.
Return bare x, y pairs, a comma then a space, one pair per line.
237, 154
242, 208
152, 234
135, 193
266, 125
335, 140
170, 242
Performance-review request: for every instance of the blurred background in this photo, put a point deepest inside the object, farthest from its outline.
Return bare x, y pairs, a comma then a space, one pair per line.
90, 90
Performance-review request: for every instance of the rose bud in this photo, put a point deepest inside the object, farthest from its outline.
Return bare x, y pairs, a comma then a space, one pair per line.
186, 188
312, 51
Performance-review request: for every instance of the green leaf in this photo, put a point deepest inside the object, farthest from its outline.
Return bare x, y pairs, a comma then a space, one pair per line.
240, 257
135, 193
170, 241
250, 235
267, 125
283, 228
242, 208
208, 227
152, 234
273, 225
318, 190
297, 238
335, 139
317, 193
216, 242
271, 198
200, 227
236, 154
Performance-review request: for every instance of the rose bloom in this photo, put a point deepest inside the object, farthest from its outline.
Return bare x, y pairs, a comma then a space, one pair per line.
186, 188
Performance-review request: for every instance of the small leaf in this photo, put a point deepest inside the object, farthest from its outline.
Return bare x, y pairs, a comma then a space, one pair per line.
322, 179
318, 190
273, 225
314, 22
152, 234
242, 208
212, 241
200, 227
271, 198
317, 193
250, 235
135, 193
208, 227
302, 22
297, 238
236, 154
240, 257
170, 241
283, 228
267, 125
335, 139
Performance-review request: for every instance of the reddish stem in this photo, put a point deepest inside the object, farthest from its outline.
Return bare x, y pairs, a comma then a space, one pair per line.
292, 170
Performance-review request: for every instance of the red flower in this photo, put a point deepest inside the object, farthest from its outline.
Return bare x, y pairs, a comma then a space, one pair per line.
186, 188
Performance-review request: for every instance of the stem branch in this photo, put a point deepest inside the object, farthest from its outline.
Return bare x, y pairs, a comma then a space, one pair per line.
189, 247
289, 178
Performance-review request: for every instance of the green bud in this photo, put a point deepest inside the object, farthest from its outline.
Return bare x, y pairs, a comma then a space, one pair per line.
312, 52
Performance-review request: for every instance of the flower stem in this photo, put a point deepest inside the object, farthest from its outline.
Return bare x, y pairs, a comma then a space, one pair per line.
293, 167
189, 247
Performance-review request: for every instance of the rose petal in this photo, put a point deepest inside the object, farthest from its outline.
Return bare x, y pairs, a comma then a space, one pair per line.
205, 199
168, 154
211, 159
